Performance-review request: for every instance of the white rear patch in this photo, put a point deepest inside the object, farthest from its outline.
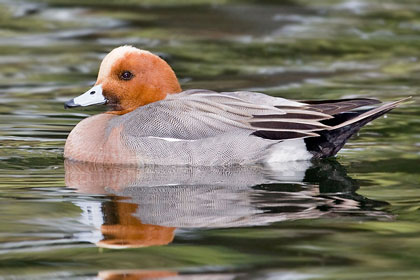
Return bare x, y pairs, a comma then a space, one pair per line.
290, 150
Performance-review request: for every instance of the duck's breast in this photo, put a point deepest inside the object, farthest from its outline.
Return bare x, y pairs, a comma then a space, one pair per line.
98, 139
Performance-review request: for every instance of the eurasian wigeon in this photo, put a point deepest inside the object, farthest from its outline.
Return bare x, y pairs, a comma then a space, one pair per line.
152, 121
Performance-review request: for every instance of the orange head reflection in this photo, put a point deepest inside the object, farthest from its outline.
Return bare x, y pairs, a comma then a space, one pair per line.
134, 274
120, 229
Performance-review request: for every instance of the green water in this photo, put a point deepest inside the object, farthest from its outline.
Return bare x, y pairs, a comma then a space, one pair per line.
353, 217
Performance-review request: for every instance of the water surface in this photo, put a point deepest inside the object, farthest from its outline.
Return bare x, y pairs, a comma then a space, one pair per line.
353, 217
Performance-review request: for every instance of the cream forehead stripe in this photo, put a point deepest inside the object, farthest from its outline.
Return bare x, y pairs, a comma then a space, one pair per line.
112, 57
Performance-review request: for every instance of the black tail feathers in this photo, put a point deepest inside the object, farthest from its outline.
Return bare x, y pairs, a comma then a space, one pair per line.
344, 125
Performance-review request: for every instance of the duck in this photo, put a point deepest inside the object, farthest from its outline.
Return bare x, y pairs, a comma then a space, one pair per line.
150, 120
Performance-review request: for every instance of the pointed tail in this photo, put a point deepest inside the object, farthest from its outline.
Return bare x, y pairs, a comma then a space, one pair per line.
342, 127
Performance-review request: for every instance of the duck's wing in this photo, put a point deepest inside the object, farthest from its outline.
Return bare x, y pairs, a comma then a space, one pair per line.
197, 114
200, 114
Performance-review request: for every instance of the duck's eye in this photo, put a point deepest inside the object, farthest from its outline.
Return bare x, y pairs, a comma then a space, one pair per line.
126, 75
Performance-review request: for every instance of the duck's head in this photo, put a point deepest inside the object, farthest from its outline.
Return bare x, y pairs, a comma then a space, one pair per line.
129, 78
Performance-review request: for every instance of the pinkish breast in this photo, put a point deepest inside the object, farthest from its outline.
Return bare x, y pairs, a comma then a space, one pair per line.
94, 140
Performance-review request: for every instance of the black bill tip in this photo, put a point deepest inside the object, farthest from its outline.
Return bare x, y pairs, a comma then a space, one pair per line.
70, 104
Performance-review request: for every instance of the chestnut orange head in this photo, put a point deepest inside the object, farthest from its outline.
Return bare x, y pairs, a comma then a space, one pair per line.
129, 78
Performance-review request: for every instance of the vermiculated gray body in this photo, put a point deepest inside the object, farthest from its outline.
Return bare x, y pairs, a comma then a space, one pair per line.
199, 127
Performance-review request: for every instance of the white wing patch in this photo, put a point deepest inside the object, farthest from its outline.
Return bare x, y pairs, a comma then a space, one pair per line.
170, 139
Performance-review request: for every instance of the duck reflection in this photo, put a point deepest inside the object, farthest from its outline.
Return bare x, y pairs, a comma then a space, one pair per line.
144, 206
